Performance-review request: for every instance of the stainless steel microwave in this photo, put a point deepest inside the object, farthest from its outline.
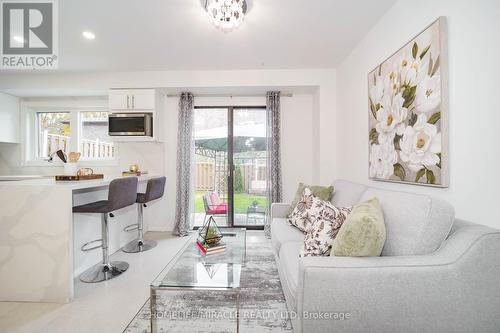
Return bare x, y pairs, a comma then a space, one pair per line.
130, 124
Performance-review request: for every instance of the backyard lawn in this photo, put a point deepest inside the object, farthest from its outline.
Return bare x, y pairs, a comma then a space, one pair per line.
241, 202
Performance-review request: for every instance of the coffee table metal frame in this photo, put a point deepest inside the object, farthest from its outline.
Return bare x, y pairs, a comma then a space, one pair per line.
154, 288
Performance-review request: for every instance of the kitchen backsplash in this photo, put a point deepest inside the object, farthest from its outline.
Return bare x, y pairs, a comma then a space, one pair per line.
149, 156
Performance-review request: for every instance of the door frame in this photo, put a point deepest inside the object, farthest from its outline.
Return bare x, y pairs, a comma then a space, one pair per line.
230, 155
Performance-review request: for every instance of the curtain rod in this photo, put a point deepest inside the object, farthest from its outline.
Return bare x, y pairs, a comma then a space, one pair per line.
230, 95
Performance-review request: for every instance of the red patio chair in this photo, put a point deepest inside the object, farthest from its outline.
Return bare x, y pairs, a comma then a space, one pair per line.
213, 206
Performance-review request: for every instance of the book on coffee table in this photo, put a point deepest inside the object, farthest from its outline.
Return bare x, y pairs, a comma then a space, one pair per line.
207, 249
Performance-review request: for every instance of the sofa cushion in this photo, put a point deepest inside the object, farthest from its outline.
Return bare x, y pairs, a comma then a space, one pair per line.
347, 193
289, 261
320, 234
415, 223
322, 192
303, 214
363, 232
282, 233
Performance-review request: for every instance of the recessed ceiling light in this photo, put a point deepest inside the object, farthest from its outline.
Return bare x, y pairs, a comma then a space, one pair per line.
88, 35
18, 39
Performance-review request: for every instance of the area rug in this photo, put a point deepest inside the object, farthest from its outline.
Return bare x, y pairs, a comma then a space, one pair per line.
262, 306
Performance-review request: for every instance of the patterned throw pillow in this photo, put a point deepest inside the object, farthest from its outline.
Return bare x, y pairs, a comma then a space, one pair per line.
323, 228
303, 213
322, 192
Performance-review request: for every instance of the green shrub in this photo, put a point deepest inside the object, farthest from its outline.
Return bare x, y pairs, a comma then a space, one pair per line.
238, 180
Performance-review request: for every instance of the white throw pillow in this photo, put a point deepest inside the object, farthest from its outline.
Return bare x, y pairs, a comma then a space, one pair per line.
325, 223
303, 213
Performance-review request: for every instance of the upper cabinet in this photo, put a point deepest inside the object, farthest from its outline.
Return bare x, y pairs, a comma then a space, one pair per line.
132, 99
9, 118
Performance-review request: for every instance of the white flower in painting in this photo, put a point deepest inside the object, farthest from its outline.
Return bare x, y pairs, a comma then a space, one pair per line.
428, 95
411, 70
391, 81
420, 144
382, 160
376, 89
390, 118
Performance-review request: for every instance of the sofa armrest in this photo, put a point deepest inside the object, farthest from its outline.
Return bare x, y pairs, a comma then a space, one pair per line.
279, 209
396, 293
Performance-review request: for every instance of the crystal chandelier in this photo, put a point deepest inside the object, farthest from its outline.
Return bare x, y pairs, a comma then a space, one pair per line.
226, 14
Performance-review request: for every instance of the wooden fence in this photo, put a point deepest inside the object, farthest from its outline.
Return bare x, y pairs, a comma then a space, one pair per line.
253, 177
53, 142
97, 149
90, 149
204, 176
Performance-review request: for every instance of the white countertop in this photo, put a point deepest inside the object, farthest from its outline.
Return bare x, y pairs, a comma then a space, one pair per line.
73, 185
19, 177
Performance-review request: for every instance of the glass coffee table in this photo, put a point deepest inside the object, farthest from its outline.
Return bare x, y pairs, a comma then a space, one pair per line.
192, 270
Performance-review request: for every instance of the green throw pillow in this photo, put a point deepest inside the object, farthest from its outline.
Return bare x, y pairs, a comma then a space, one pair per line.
363, 232
323, 192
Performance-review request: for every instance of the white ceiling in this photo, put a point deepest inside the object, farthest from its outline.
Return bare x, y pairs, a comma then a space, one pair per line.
136, 35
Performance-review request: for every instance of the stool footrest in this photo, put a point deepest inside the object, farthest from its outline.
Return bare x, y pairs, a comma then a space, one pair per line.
131, 227
85, 247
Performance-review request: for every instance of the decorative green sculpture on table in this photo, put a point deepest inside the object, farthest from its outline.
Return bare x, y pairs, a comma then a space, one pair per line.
210, 233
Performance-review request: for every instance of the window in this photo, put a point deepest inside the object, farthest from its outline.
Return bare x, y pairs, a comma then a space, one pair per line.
54, 132
95, 142
84, 130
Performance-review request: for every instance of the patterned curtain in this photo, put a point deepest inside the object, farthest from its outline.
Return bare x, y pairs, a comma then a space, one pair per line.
273, 153
183, 218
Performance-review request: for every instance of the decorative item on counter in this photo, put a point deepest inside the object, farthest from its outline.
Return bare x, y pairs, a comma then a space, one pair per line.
70, 169
134, 171
136, 174
209, 238
85, 177
85, 172
70, 160
62, 156
81, 174
74, 157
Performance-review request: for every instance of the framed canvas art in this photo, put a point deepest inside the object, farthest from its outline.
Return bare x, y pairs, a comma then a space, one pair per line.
408, 112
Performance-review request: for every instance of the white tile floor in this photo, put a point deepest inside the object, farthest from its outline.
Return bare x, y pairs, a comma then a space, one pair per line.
101, 307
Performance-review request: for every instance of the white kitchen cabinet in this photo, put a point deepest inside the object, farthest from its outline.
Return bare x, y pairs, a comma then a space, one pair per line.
132, 99
119, 99
9, 118
143, 99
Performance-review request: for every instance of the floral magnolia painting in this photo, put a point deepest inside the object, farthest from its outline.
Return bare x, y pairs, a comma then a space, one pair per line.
407, 110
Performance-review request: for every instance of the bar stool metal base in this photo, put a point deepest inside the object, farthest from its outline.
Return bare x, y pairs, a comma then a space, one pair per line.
139, 246
101, 272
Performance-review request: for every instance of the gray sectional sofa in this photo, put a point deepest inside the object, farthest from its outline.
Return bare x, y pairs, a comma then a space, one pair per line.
436, 273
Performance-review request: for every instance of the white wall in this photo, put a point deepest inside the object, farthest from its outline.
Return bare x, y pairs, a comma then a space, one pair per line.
9, 118
299, 157
474, 112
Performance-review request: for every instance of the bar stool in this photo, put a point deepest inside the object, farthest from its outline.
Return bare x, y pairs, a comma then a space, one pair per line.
154, 190
122, 193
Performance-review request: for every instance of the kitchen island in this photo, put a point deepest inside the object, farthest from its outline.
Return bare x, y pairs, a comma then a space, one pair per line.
40, 237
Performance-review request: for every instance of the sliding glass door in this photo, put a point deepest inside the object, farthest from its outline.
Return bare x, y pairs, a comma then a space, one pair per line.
249, 161
230, 176
211, 167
